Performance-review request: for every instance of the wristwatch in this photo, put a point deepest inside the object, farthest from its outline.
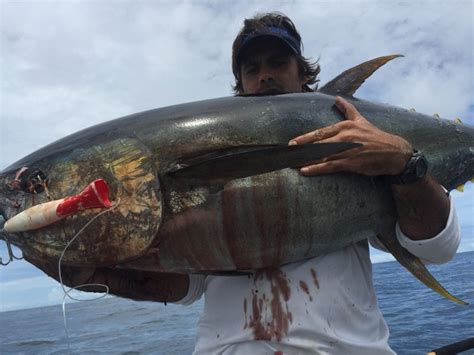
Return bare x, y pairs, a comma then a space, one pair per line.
415, 170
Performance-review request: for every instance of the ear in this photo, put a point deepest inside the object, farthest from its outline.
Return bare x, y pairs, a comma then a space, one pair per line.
304, 83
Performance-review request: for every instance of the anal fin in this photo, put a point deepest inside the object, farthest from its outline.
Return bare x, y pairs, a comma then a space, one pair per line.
416, 267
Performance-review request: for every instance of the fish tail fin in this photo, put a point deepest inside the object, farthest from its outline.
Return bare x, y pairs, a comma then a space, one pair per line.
416, 267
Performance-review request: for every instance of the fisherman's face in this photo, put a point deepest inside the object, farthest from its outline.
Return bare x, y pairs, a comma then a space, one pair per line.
270, 67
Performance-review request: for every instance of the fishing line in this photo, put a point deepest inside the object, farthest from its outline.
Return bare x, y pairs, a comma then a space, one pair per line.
66, 292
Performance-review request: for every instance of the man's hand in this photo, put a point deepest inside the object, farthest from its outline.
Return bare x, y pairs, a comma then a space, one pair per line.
381, 153
423, 207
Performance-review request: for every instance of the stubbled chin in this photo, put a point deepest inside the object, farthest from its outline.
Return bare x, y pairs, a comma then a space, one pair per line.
273, 90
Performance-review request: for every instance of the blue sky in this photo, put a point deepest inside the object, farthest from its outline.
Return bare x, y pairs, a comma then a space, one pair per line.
72, 64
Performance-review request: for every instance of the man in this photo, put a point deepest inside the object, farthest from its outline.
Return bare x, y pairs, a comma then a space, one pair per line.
326, 304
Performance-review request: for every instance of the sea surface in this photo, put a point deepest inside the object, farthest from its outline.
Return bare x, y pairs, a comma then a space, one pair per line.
419, 319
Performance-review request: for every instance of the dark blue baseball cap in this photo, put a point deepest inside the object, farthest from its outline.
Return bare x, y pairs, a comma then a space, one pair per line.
269, 31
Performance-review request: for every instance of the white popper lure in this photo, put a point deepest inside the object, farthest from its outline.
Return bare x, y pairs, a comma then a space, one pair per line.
95, 195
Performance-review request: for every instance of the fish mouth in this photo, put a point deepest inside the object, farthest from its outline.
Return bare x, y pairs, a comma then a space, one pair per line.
2, 223
12, 194
7, 210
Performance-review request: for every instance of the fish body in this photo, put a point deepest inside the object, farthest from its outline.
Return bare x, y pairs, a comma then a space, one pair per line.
210, 222
210, 186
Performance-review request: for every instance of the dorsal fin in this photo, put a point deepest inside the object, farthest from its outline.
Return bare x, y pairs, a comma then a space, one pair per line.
349, 81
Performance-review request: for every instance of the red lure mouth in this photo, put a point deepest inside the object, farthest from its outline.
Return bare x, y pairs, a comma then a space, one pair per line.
95, 195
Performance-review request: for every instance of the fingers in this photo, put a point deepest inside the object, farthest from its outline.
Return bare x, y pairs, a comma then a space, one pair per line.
348, 109
315, 136
381, 153
327, 167
350, 114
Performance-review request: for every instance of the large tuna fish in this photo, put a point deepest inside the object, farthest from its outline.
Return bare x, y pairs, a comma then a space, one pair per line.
208, 186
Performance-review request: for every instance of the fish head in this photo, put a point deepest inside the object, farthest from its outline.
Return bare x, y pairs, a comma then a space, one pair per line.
64, 169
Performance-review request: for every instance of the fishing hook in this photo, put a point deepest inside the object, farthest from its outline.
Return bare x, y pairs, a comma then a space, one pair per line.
11, 255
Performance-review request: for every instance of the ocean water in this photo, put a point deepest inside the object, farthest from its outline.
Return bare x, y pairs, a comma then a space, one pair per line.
419, 319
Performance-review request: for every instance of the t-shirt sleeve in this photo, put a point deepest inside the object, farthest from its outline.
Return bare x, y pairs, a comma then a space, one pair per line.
439, 249
195, 290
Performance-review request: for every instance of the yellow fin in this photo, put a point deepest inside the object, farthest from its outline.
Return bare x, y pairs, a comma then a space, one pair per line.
460, 188
457, 120
412, 109
435, 115
416, 267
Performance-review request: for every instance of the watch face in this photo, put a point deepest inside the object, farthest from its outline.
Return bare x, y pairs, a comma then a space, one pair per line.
416, 169
421, 167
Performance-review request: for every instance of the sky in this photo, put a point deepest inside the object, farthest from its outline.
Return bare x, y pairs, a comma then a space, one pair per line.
67, 65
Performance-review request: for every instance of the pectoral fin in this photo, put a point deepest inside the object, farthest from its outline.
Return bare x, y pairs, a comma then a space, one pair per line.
239, 162
349, 81
416, 267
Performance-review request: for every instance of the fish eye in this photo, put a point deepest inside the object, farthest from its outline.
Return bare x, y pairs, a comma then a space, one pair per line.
33, 181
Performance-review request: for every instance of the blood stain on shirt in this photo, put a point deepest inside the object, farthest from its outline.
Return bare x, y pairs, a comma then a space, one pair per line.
278, 352
315, 277
275, 325
304, 287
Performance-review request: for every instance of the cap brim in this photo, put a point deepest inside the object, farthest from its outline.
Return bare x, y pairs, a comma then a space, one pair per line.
251, 39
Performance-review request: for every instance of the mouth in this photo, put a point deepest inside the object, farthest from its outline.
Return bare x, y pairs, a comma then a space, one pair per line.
270, 89
271, 92
18, 188
6, 210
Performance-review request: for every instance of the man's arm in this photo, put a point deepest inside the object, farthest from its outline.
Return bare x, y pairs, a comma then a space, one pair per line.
128, 283
139, 285
423, 207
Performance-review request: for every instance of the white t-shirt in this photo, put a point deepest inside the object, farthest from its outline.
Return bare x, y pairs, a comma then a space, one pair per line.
324, 305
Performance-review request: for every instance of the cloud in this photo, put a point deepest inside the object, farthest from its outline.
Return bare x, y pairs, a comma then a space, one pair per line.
27, 292
27, 283
75, 64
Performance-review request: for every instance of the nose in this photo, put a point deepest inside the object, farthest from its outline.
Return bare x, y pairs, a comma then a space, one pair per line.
266, 76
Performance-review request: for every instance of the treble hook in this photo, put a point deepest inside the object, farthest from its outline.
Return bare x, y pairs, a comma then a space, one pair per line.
11, 255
